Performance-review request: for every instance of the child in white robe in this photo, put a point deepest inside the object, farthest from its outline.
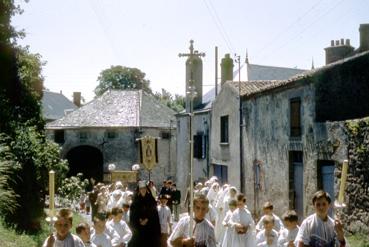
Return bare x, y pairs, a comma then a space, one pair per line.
121, 227
62, 236
83, 231
165, 219
268, 210
319, 229
202, 232
102, 235
229, 231
288, 234
268, 237
244, 225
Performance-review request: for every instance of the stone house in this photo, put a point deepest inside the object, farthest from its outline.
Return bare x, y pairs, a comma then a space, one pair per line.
105, 131
290, 145
56, 105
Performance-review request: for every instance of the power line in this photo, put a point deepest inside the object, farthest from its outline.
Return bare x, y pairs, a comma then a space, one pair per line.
218, 25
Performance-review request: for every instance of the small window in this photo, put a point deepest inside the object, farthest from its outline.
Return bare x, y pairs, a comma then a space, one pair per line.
59, 136
165, 135
224, 129
111, 134
221, 172
82, 136
295, 117
199, 146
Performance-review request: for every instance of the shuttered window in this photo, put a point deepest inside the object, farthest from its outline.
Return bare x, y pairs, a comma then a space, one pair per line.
295, 117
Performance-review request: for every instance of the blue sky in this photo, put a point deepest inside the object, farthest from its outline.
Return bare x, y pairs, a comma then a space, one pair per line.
80, 38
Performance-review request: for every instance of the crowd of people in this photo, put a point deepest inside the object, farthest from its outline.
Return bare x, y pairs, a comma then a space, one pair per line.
148, 217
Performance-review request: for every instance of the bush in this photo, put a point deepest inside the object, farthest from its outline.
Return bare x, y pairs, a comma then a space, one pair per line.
72, 189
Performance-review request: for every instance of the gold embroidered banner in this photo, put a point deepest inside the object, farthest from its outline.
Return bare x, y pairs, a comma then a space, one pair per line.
148, 152
124, 176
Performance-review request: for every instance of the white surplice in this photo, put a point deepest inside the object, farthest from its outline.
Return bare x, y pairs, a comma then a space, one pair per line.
243, 216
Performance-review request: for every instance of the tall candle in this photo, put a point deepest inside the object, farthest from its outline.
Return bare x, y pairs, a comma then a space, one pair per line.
51, 192
343, 181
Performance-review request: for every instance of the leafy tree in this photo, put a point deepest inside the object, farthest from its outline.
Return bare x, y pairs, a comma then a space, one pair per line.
25, 153
120, 77
177, 103
72, 188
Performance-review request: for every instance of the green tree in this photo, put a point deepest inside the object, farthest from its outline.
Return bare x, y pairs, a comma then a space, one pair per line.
177, 103
25, 153
120, 77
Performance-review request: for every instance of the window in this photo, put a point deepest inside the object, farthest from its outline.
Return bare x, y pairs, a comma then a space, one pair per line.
295, 117
82, 136
165, 135
224, 129
59, 136
199, 146
111, 134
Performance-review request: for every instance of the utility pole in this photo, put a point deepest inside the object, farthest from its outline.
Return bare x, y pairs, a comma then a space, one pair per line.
242, 175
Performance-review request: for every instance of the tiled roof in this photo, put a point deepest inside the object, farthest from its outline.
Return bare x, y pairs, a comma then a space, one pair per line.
249, 88
55, 104
119, 108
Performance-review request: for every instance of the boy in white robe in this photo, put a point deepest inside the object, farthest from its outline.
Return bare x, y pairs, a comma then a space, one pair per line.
83, 231
229, 231
165, 219
268, 210
62, 237
288, 234
118, 224
203, 231
268, 237
102, 235
319, 229
241, 220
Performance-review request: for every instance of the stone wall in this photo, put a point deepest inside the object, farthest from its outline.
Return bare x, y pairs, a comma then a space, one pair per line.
356, 214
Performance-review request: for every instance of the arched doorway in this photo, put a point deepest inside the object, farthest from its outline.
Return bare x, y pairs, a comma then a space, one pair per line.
87, 160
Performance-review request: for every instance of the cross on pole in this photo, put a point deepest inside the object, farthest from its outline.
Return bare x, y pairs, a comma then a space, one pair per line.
193, 53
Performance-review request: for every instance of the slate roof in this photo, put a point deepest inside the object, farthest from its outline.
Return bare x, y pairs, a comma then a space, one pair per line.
118, 108
55, 104
250, 88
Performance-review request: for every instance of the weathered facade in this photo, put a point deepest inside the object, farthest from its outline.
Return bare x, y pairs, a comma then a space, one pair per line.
106, 130
290, 149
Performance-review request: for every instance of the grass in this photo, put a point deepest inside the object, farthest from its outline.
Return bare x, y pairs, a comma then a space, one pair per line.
10, 238
358, 240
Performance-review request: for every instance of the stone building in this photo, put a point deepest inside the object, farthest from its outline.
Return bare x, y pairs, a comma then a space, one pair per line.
105, 131
207, 161
290, 147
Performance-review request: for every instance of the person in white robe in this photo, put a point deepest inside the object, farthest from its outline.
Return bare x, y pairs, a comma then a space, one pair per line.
268, 210
83, 231
212, 194
102, 234
288, 234
62, 237
319, 229
115, 200
121, 227
226, 241
202, 232
219, 206
268, 237
212, 215
243, 224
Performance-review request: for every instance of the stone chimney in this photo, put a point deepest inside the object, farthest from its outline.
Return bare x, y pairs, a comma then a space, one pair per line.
77, 98
338, 50
226, 67
364, 37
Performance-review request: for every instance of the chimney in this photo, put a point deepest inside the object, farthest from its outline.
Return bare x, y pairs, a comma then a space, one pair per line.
77, 98
364, 37
338, 50
226, 67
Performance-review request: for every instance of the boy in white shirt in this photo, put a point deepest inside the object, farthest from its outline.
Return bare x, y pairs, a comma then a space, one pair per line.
165, 219
288, 234
268, 210
103, 237
268, 237
319, 229
120, 226
203, 231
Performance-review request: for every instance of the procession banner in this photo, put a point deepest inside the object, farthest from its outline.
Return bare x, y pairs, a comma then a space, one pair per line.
124, 176
149, 152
